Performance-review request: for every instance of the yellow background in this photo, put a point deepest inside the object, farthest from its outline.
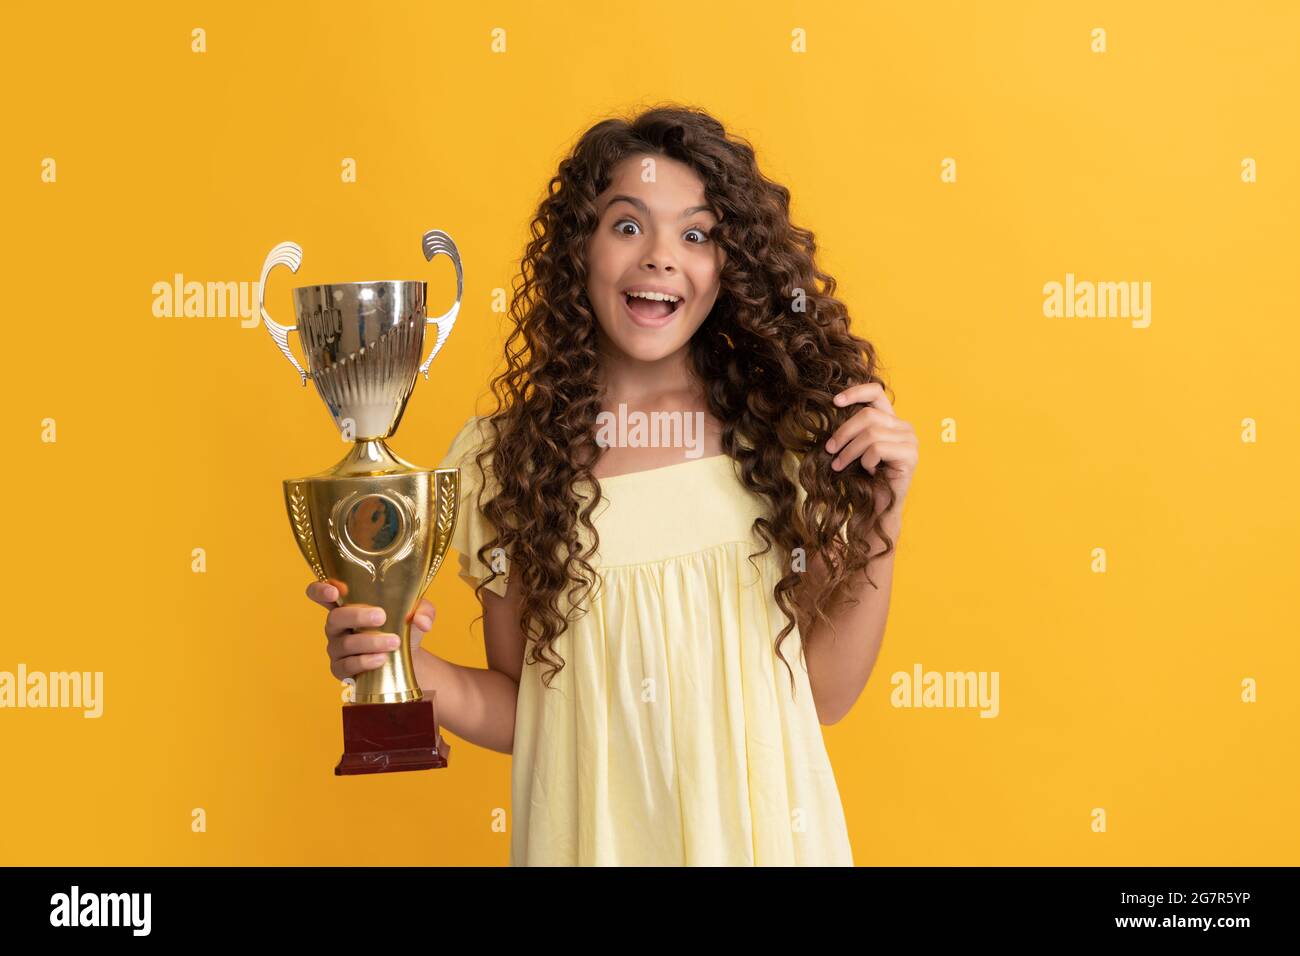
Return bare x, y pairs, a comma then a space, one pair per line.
1119, 690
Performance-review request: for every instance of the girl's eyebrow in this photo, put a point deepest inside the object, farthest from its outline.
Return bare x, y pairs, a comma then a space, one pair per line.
645, 209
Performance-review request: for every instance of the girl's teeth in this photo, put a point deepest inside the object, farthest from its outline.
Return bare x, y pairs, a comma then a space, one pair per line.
656, 296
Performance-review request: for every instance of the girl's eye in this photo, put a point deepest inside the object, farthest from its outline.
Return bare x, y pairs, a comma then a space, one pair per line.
618, 227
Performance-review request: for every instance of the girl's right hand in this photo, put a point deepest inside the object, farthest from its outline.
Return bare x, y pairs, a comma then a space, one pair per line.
354, 641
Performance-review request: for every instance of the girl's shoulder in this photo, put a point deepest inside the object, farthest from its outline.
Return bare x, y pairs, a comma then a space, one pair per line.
471, 438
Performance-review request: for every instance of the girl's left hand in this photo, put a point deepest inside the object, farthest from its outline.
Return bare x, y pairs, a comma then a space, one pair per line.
873, 435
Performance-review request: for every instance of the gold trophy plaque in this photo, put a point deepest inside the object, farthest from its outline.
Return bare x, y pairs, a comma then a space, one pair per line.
374, 525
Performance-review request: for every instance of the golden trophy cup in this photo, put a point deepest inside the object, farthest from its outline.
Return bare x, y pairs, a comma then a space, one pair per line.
373, 525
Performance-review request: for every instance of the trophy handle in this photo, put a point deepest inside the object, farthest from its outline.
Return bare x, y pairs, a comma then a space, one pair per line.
285, 254
436, 241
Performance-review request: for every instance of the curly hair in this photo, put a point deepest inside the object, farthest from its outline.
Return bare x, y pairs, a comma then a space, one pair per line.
771, 355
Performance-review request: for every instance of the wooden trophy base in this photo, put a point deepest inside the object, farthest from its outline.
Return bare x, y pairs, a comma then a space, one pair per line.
385, 738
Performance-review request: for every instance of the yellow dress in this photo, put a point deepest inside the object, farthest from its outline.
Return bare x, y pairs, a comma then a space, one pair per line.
670, 737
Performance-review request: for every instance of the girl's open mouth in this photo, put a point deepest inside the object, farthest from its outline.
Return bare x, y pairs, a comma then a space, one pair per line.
651, 313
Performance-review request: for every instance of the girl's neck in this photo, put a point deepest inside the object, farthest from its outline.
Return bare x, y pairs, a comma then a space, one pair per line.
666, 381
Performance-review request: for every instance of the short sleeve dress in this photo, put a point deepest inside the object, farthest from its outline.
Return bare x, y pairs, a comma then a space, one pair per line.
670, 737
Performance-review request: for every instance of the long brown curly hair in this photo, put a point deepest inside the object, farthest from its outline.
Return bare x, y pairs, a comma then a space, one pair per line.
771, 354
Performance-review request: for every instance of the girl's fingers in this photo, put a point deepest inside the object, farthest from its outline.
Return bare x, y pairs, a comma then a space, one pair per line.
340, 620
868, 440
855, 425
328, 593
873, 392
896, 455
423, 615
363, 642
883, 404
853, 450
352, 666
421, 622
867, 392
322, 592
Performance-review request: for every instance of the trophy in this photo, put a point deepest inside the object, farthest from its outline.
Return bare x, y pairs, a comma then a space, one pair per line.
374, 525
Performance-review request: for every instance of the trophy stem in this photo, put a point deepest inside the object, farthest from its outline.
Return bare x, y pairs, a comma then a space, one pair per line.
369, 457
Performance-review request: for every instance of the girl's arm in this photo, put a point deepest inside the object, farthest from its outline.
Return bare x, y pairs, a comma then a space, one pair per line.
478, 704
840, 661
840, 658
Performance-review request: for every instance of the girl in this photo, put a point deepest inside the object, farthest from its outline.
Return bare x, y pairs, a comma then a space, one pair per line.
637, 595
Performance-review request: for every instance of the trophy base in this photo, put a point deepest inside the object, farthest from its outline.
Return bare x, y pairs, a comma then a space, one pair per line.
385, 738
